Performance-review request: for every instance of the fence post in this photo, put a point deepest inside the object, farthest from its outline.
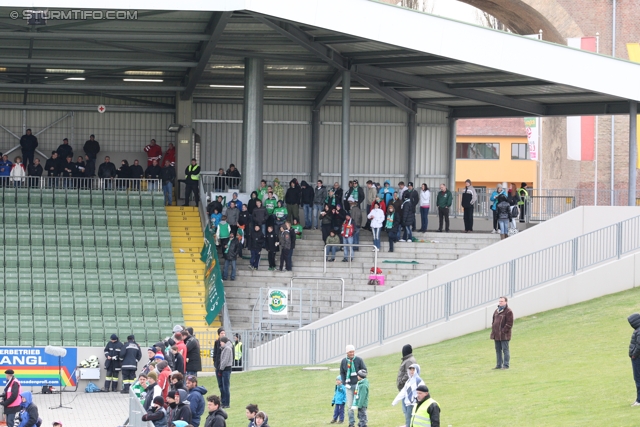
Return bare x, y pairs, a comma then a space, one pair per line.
447, 301
512, 277
381, 324
312, 347
574, 266
619, 238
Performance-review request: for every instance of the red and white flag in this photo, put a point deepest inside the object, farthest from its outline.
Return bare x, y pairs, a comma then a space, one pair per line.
581, 130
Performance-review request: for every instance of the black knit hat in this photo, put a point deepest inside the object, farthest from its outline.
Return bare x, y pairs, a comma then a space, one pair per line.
423, 388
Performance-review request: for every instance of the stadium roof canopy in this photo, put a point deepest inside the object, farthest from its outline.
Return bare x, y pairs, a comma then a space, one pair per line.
396, 56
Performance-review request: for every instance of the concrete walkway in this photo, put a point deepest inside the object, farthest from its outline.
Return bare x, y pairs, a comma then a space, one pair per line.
88, 409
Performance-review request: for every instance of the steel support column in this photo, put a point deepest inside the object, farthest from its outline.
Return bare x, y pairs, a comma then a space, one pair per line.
633, 150
346, 106
412, 131
252, 123
315, 146
451, 185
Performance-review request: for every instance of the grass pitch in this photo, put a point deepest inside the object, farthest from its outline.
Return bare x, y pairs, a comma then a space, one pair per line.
569, 367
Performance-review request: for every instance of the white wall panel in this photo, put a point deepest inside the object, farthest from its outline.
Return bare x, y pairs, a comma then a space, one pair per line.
221, 143
432, 152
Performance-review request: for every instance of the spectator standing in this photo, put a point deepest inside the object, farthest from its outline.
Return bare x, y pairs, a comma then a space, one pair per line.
292, 237
164, 374
217, 416
35, 172
230, 255
339, 399
396, 202
262, 190
356, 218
153, 175
195, 397
503, 209
259, 217
634, 353
28, 144
285, 245
469, 200
170, 155
334, 241
137, 173
179, 409
256, 243
392, 225
237, 353
494, 200
415, 199
156, 413
64, 150
53, 168
11, 401
113, 356
426, 411
168, 174
306, 200
338, 193
501, 333
386, 193
401, 190
377, 217
192, 178
253, 199
319, 196
408, 217
280, 214
107, 173
349, 367
92, 148
79, 170
425, 204
130, 356
178, 359
278, 191
326, 222
234, 199
219, 182
223, 232
403, 376
194, 360
361, 398
347, 238
226, 363
154, 152
233, 215
293, 200
372, 193
443, 202
67, 172
233, 178
272, 245
270, 204
124, 175
524, 198
407, 395
5, 170
18, 172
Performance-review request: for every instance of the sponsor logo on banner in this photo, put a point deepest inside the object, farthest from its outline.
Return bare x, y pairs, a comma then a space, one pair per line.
34, 368
531, 128
278, 302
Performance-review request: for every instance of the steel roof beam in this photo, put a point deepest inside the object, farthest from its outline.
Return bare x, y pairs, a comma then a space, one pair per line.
104, 35
480, 85
67, 87
95, 62
421, 82
326, 91
303, 39
405, 61
95, 21
272, 56
394, 97
586, 109
215, 28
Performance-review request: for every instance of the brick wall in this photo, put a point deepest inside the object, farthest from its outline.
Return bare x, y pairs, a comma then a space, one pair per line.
489, 127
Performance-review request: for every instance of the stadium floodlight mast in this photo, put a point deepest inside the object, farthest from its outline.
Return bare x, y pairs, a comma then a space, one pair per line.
60, 352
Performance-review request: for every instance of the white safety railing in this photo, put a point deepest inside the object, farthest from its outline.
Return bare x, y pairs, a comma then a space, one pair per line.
136, 411
351, 245
83, 183
453, 298
318, 279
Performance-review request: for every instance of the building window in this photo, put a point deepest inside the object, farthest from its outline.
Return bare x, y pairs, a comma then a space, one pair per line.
481, 151
519, 151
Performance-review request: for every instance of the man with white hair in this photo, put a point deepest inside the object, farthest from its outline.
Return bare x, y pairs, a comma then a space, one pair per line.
349, 368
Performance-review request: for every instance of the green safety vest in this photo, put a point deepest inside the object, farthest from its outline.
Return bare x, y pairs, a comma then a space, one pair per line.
193, 177
238, 350
421, 418
523, 195
224, 229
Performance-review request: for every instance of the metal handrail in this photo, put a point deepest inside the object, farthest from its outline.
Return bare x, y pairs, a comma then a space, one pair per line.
84, 183
364, 245
204, 219
317, 279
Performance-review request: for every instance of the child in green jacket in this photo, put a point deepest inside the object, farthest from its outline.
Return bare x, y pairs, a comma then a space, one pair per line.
297, 228
281, 215
361, 398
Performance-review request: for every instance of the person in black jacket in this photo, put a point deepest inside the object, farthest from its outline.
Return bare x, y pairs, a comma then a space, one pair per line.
112, 354
392, 224
156, 411
194, 362
90, 167
306, 200
256, 243
233, 174
107, 172
64, 150
292, 199
192, 178
124, 174
215, 205
272, 246
52, 166
10, 394
217, 416
408, 218
28, 143
154, 173
35, 173
634, 353
67, 172
259, 217
414, 196
168, 174
230, 251
92, 148
130, 356
137, 173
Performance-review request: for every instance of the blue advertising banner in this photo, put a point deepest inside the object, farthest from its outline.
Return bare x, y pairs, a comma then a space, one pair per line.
34, 367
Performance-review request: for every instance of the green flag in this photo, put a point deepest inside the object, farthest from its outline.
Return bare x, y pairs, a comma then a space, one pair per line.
212, 277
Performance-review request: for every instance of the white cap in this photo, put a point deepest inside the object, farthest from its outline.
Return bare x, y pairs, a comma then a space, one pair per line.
350, 348
177, 328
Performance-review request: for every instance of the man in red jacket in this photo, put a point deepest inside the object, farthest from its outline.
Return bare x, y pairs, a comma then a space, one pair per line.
154, 152
501, 333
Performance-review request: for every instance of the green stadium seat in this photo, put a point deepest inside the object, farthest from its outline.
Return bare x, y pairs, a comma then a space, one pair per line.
150, 221
158, 200
106, 284
53, 305
134, 200
23, 216
146, 201
54, 331
9, 196
62, 237
112, 219
109, 199
139, 239
124, 219
84, 198
104, 263
37, 238
26, 334
152, 241
126, 239
47, 199
61, 219
24, 260
156, 263
130, 264
52, 284
83, 338
22, 197
113, 238
11, 304
122, 200
80, 306
99, 219
48, 217
137, 220
143, 262
109, 308
90, 260
26, 304
76, 238
86, 217
73, 200
146, 287
97, 199
38, 284
35, 198
10, 215
161, 220
74, 219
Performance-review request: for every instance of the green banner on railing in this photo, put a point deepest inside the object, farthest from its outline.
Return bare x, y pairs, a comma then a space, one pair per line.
212, 277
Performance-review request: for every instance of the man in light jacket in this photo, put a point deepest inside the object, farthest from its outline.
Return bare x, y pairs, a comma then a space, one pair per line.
319, 195
226, 363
